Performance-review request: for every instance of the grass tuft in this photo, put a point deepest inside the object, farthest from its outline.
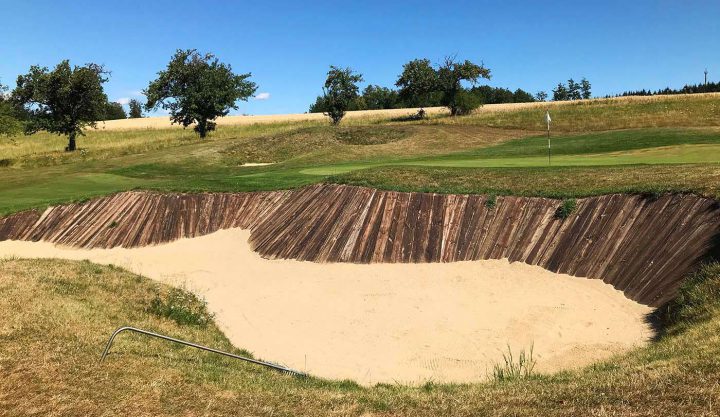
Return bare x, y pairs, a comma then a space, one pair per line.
513, 370
181, 306
566, 208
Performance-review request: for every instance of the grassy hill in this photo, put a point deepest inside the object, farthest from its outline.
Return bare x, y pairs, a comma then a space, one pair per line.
610, 145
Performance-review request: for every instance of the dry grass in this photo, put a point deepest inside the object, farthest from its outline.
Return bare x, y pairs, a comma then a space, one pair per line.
361, 116
43, 149
324, 144
55, 317
694, 110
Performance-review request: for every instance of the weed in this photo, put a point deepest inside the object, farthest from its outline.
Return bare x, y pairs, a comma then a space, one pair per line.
113, 224
182, 307
511, 370
566, 208
490, 201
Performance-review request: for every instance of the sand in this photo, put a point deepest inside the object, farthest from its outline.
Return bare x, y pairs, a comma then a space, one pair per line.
406, 323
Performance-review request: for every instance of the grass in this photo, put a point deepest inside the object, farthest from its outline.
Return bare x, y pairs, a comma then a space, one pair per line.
55, 317
511, 370
498, 152
607, 114
559, 182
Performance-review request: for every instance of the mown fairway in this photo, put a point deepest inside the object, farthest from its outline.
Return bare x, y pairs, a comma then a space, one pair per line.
649, 145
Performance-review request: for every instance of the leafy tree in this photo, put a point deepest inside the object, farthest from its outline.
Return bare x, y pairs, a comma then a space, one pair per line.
573, 90
10, 121
339, 92
585, 88
197, 88
377, 98
417, 82
114, 111
62, 101
465, 101
541, 96
319, 106
450, 76
522, 96
135, 109
560, 93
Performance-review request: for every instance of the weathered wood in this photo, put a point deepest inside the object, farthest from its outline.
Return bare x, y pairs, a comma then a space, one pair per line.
644, 247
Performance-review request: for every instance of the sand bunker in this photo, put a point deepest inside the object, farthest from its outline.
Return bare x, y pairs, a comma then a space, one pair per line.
406, 323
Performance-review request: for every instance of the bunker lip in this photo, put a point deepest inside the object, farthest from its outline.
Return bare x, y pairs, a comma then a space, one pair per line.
643, 246
407, 323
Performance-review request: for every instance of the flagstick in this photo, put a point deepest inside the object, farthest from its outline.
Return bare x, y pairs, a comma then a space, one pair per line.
547, 119
548, 131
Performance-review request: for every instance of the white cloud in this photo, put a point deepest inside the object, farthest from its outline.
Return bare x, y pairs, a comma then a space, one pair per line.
123, 100
262, 96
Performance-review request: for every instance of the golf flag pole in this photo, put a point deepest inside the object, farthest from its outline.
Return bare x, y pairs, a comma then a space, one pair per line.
548, 120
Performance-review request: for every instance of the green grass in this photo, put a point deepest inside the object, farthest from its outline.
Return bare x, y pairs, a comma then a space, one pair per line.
55, 317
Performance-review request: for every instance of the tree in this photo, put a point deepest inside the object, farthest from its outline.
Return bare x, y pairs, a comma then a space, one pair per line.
522, 96
9, 122
585, 88
197, 88
62, 101
319, 106
450, 76
377, 98
339, 92
417, 82
560, 93
114, 111
573, 90
541, 96
135, 109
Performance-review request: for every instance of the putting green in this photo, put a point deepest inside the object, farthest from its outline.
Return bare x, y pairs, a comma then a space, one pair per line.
680, 154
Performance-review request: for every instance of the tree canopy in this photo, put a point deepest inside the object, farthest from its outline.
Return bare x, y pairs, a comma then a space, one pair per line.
135, 109
420, 84
417, 82
339, 92
9, 121
62, 101
198, 88
450, 76
114, 111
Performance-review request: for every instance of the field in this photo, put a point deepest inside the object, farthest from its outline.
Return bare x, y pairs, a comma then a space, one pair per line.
55, 314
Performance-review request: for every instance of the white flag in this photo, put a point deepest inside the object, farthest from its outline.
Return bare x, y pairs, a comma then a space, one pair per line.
547, 117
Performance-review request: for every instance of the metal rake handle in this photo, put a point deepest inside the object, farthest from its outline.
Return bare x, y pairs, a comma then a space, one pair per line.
201, 347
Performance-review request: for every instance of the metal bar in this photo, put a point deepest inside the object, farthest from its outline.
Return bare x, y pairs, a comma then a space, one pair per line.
195, 345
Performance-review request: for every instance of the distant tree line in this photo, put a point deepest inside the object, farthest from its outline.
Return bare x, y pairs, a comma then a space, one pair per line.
572, 90
687, 89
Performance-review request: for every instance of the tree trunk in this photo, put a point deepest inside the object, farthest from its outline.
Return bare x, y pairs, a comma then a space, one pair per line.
202, 128
71, 143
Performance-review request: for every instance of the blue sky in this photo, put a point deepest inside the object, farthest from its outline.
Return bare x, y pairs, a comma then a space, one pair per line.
288, 46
